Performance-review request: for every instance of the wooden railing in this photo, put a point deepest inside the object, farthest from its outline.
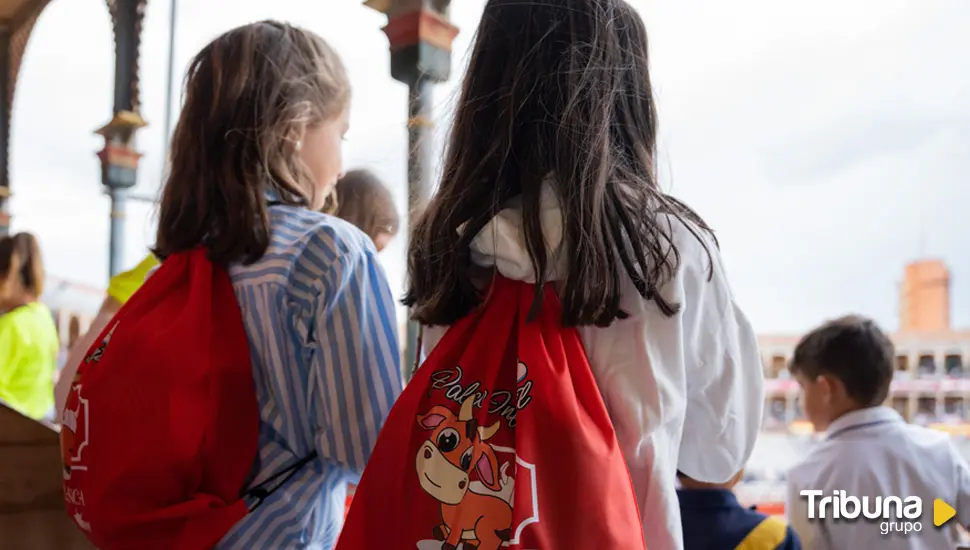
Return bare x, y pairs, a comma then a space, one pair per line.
32, 515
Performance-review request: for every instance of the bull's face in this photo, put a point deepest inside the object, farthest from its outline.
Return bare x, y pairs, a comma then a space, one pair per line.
457, 445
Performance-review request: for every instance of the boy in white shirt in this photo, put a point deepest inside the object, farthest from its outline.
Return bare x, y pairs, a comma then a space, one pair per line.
869, 451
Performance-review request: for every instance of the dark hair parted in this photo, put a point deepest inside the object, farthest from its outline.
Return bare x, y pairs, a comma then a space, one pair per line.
557, 92
852, 349
249, 95
21, 266
365, 202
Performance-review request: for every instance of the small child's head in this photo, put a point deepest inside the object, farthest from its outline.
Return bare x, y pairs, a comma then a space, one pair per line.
365, 202
844, 365
21, 270
692, 484
266, 107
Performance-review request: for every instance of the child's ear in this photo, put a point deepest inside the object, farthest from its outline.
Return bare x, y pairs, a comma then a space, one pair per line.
831, 388
296, 136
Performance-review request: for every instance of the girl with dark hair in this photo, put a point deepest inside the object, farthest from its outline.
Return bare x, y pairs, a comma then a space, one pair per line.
28, 336
550, 177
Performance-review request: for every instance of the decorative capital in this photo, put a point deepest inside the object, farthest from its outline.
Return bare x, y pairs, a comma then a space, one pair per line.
121, 156
119, 159
421, 26
122, 127
393, 8
119, 166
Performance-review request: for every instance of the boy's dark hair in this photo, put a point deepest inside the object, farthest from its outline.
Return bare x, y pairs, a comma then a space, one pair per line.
248, 96
852, 349
559, 92
365, 202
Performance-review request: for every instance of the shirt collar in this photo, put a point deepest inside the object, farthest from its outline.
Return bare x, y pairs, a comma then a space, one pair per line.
863, 416
707, 498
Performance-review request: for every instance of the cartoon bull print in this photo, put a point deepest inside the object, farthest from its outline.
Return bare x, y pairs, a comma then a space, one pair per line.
477, 515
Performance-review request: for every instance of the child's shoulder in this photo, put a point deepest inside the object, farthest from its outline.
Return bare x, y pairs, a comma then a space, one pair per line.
304, 249
820, 457
299, 232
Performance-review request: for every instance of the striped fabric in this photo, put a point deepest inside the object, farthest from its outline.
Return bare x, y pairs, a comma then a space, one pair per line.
322, 328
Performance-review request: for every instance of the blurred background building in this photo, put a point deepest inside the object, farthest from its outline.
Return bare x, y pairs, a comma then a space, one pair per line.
931, 385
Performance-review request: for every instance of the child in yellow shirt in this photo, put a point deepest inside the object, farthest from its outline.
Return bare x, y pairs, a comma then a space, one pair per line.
28, 336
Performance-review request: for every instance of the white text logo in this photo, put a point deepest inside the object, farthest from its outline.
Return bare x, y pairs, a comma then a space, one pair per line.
900, 515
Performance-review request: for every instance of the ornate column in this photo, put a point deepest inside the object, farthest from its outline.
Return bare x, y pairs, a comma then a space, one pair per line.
16, 25
119, 159
420, 37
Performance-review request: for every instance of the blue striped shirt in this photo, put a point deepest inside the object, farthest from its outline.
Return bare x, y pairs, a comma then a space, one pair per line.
323, 335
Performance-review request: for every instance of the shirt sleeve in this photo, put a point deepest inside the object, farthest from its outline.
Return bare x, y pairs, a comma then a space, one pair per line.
80, 348
358, 364
123, 286
725, 377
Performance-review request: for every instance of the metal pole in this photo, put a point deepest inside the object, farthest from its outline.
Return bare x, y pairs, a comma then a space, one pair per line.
167, 136
421, 143
420, 163
117, 246
127, 15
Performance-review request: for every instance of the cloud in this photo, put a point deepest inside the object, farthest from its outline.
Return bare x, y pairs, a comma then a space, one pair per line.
844, 144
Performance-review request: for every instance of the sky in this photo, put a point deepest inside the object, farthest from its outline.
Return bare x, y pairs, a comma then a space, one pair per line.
827, 143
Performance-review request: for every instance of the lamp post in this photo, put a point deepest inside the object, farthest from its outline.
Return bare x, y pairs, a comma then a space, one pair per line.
421, 38
119, 173
119, 159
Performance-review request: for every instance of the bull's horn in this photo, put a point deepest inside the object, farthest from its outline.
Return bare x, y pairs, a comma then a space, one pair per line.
486, 433
465, 414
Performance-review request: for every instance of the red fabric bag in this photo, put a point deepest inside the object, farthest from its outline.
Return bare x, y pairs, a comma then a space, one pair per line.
160, 429
500, 440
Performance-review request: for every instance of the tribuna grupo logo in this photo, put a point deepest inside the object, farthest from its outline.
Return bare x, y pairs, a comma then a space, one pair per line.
894, 514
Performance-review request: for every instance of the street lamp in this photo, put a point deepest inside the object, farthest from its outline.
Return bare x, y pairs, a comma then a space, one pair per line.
119, 173
421, 37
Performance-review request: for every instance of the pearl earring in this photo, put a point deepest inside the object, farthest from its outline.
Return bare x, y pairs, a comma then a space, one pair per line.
299, 145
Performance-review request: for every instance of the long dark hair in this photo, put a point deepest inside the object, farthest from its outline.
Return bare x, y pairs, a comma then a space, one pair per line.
247, 96
555, 91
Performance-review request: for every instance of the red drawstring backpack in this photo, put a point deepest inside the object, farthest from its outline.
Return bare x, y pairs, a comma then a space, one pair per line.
501, 439
160, 430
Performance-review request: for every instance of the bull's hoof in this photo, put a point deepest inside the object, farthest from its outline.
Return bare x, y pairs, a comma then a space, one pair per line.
439, 533
447, 546
469, 545
504, 534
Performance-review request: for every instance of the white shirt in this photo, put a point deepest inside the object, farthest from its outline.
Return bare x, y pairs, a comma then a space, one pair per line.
874, 452
684, 392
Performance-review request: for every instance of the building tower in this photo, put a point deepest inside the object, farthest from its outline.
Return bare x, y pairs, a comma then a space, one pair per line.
924, 297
